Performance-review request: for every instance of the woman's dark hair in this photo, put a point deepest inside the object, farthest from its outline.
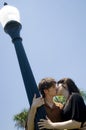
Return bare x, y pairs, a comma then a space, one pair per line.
46, 83
70, 85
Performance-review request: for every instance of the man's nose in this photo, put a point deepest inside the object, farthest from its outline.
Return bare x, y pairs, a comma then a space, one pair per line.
57, 86
56, 89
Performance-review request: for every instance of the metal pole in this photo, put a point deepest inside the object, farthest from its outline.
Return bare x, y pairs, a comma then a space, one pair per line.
13, 29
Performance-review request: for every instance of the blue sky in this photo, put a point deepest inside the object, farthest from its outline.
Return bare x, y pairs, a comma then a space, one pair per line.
54, 38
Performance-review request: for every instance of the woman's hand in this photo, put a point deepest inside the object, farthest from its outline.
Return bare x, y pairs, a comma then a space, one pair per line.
43, 123
37, 102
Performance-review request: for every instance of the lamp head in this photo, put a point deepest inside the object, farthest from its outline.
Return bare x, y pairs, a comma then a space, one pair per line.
9, 13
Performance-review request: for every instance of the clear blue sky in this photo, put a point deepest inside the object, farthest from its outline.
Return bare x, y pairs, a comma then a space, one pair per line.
54, 38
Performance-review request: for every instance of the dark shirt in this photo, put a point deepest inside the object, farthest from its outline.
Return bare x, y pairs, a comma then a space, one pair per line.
74, 109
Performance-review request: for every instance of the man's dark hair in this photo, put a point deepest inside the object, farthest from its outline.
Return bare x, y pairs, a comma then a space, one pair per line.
46, 83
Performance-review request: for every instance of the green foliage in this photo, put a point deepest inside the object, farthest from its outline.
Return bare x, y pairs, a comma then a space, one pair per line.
60, 99
83, 93
20, 119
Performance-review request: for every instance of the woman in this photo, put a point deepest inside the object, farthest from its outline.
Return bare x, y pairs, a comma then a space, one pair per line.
74, 110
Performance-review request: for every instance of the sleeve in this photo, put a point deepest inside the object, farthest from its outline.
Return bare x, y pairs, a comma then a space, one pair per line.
78, 108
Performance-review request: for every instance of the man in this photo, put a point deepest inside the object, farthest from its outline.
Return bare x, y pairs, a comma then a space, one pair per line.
48, 89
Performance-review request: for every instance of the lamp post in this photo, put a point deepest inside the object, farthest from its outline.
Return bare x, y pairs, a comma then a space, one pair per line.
10, 20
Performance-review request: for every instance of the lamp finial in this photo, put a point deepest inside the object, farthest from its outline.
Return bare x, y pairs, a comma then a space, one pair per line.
5, 3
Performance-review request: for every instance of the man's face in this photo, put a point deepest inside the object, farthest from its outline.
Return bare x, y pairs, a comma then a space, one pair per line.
52, 91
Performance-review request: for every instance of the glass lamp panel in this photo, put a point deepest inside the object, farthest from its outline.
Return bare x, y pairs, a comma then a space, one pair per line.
9, 13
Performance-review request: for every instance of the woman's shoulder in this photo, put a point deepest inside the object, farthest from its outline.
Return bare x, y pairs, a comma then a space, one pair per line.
76, 97
73, 95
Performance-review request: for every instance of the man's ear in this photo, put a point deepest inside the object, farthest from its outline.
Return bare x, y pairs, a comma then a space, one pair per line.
45, 91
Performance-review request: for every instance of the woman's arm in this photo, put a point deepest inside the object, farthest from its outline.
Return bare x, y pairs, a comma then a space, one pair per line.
70, 124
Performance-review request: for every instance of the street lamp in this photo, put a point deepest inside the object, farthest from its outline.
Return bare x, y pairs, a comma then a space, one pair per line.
10, 20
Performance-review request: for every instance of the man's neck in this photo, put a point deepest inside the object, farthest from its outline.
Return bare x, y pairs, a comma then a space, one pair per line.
49, 101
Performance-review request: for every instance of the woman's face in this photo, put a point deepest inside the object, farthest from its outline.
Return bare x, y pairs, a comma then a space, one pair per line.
62, 90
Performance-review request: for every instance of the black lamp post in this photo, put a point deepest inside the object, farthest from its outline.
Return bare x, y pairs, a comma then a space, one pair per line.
10, 20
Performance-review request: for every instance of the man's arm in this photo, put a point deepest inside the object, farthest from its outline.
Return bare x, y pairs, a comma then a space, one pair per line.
37, 102
30, 119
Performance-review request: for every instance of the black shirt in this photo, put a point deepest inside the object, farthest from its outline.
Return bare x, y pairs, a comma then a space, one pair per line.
74, 109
